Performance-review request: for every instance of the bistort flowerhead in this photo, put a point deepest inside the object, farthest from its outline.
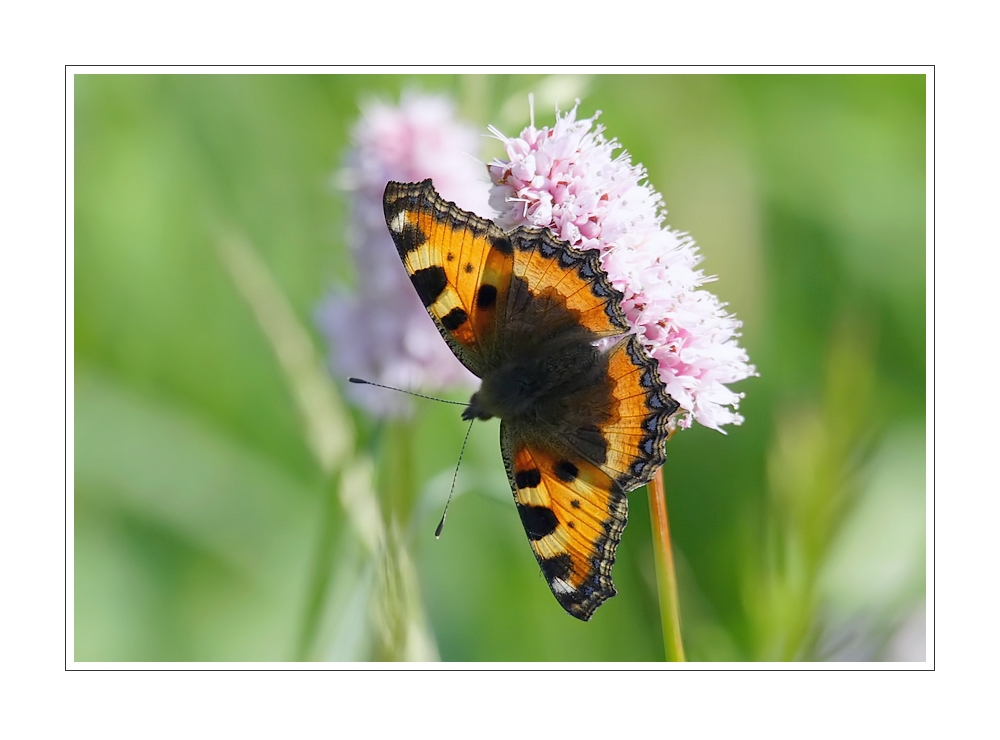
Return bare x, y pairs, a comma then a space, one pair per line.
380, 331
567, 179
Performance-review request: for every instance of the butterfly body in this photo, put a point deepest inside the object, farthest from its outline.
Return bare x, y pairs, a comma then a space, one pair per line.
541, 380
581, 424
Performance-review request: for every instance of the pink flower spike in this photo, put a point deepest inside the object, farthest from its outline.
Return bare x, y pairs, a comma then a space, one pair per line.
568, 179
380, 331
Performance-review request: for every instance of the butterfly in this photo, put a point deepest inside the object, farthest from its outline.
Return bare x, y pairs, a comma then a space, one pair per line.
581, 425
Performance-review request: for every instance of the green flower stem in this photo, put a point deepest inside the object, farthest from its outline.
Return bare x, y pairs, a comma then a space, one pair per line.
666, 577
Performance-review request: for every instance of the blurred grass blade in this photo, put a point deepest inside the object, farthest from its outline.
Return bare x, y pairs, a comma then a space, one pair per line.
401, 627
327, 425
813, 467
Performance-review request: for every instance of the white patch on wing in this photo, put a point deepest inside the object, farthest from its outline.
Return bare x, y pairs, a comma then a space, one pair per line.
398, 222
561, 587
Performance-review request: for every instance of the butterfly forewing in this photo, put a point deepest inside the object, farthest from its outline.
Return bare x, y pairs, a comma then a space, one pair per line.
569, 280
459, 264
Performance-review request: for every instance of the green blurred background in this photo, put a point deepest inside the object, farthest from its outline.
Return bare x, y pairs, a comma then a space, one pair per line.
208, 524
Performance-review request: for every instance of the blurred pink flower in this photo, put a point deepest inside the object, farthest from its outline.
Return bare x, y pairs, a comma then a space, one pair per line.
566, 179
380, 330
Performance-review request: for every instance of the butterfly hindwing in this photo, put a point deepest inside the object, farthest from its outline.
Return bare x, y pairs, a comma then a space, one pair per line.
636, 420
459, 264
573, 514
570, 482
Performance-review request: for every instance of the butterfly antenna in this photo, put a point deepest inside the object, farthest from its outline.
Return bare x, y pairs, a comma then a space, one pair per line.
360, 381
440, 526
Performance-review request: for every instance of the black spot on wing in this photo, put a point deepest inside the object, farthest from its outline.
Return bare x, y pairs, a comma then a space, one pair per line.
454, 319
528, 478
561, 566
502, 244
486, 296
566, 471
538, 521
430, 283
410, 238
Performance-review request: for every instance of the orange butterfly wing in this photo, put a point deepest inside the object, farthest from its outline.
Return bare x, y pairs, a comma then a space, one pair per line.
564, 279
573, 514
459, 264
495, 296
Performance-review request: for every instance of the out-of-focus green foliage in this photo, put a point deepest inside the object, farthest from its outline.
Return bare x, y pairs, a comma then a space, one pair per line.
206, 526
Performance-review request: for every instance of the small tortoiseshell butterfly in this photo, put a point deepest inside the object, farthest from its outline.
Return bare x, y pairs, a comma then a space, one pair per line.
580, 427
